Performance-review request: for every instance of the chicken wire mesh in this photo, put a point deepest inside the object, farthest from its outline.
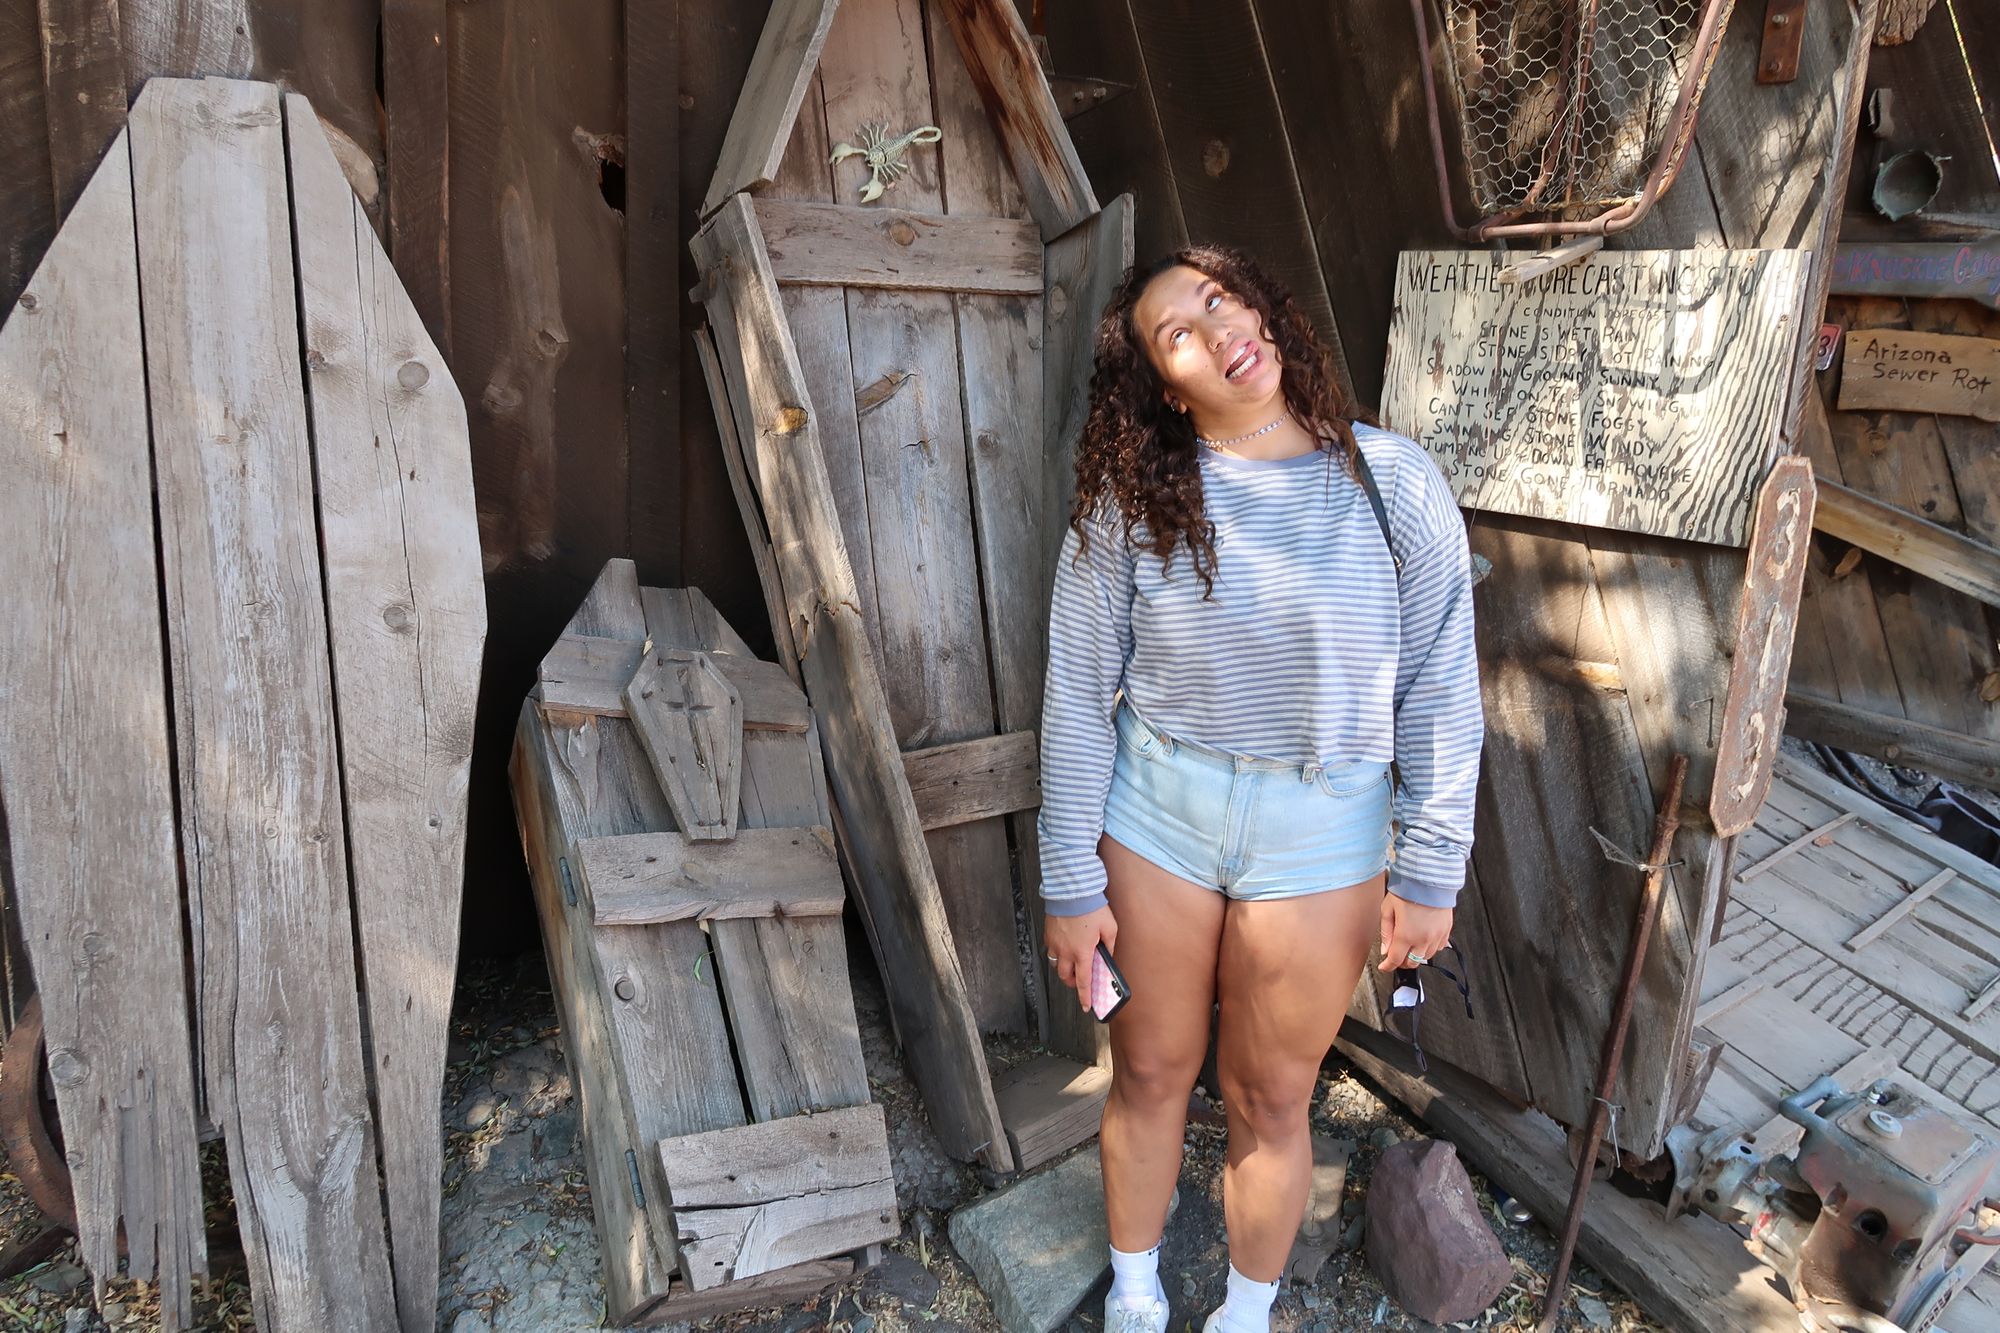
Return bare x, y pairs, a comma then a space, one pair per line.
1572, 108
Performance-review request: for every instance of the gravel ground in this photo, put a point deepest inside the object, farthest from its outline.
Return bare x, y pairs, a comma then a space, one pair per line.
520, 1255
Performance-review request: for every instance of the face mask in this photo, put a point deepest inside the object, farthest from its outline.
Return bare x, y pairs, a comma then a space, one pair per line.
1406, 998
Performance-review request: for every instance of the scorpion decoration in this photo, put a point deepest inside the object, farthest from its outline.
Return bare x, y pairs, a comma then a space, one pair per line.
883, 155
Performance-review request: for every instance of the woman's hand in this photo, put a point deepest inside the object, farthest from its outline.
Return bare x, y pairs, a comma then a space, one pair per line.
1071, 940
1410, 928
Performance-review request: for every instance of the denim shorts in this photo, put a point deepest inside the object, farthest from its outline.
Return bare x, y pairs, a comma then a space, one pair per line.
1248, 828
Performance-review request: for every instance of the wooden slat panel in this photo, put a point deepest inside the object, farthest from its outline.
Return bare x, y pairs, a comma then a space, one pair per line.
279, 1018
642, 878
905, 374
883, 836
842, 245
975, 779
753, 1199
1009, 82
401, 547
787, 53
85, 775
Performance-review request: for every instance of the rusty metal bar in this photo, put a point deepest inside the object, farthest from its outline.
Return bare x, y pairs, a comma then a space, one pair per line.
1665, 824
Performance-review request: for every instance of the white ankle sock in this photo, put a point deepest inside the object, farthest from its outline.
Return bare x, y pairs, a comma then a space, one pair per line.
1135, 1278
1247, 1307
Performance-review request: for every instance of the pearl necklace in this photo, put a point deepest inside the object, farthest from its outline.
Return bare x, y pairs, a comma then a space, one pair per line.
1261, 430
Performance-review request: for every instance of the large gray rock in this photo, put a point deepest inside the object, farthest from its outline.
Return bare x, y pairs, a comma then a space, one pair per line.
1427, 1239
1038, 1246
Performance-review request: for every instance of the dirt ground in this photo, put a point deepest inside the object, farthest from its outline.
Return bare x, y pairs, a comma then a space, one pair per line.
520, 1253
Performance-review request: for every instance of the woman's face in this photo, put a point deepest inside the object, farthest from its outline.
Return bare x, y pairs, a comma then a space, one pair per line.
1208, 346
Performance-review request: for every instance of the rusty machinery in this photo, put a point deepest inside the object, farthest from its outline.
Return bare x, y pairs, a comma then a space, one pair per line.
1879, 1218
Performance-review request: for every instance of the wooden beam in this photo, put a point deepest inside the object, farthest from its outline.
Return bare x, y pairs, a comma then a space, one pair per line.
996, 775
1875, 929
639, 878
1948, 754
1050, 1104
655, 248
840, 245
1015, 93
1729, 999
1959, 562
787, 54
1693, 1276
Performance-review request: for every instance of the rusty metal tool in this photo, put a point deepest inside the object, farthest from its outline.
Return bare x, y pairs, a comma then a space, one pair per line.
1665, 825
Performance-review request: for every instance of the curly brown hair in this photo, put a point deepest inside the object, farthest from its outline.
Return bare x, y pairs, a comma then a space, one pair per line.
1140, 456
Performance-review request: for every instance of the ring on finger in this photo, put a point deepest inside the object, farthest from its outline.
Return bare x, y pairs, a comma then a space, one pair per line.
1416, 959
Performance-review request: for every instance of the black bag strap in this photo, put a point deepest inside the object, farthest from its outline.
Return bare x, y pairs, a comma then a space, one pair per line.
1366, 475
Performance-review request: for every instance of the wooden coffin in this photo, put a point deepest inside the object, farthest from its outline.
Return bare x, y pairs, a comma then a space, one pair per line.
900, 351
675, 818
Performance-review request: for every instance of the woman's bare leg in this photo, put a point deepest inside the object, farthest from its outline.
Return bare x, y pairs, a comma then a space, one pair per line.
1168, 932
1287, 969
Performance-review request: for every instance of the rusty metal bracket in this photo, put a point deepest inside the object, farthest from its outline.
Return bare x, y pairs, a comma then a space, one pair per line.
1753, 714
1784, 38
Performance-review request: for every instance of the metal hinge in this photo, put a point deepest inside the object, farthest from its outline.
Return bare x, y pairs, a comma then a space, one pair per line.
638, 1190
569, 884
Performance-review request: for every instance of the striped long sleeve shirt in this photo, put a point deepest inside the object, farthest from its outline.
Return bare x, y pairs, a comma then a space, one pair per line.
1313, 649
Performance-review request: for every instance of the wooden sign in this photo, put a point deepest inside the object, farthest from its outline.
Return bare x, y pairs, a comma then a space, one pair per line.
1950, 268
1636, 389
1753, 715
1921, 372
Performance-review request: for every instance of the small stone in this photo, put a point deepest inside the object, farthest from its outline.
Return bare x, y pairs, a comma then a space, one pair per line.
58, 1279
1427, 1240
1350, 1239
1594, 1311
76, 1321
518, 1082
1384, 1138
1039, 1245
114, 1312
865, 1324
471, 1321
478, 1110
557, 1133
1309, 1298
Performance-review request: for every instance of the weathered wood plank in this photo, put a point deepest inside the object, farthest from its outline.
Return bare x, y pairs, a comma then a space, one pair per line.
842, 245
1946, 373
1953, 559
417, 115
1050, 1104
1821, 834
976, 779
768, 399
689, 720
788, 50
588, 674
85, 767
904, 371
638, 1256
1948, 754
642, 878
1868, 934
27, 194
993, 43
83, 62
752, 1199
279, 1018
400, 543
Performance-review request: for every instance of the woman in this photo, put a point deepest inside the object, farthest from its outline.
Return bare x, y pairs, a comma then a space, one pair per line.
1235, 658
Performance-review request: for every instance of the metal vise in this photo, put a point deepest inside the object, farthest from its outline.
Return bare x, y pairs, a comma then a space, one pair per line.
1868, 1221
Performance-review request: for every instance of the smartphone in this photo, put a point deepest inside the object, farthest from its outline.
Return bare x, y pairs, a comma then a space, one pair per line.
1108, 991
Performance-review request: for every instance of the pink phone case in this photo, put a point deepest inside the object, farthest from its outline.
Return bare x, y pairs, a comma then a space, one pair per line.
1107, 988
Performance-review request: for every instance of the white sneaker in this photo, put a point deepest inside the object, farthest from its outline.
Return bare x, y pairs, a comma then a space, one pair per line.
1148, 1318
